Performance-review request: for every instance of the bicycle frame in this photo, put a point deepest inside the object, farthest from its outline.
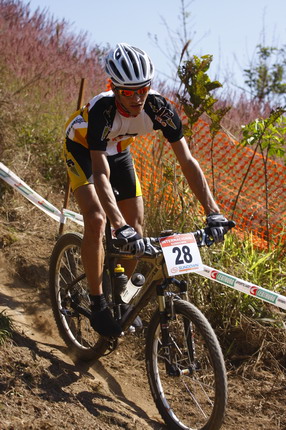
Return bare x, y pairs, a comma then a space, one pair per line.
156, 278
156, 282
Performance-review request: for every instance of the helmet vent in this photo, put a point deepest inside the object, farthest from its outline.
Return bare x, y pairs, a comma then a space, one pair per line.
143, 65
132, 58
115, 70
126, 69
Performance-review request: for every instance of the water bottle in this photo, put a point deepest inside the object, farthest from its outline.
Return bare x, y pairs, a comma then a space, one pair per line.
133, 287
120, 280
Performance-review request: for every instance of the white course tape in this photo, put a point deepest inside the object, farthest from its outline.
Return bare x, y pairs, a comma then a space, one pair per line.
243, 286
74, 216
8, 176
207, 272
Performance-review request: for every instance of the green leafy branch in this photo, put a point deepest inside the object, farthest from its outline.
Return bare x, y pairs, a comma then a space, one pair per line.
197, 98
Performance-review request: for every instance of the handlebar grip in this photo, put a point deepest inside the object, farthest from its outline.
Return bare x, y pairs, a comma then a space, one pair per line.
227, 225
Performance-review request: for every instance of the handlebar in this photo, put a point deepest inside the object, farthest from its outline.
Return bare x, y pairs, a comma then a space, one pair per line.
202, 236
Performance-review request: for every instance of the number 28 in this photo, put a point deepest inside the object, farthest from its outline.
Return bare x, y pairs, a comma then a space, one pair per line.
183, 255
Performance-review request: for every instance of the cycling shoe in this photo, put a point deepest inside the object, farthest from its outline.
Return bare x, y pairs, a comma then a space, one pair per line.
104, 323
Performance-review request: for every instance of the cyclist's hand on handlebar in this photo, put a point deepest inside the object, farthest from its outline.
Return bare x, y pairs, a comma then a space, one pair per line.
135, 242
219, 225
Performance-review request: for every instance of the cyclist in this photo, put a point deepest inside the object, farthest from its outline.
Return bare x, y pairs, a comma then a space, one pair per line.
98, 160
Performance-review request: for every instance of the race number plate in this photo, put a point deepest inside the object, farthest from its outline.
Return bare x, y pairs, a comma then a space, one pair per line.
181, 254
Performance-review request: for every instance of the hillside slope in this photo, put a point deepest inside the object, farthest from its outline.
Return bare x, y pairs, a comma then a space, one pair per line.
42, 388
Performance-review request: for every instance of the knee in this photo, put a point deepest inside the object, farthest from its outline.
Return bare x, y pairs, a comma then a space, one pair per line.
94, 224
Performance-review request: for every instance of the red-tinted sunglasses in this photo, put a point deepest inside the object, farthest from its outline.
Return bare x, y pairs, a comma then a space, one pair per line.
129, 93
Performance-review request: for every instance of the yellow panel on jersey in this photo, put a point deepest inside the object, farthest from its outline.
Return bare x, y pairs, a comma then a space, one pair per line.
80, 136
76, 126
123, 144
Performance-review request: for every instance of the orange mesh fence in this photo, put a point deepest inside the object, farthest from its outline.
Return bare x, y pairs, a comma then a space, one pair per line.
150, 153
231, 169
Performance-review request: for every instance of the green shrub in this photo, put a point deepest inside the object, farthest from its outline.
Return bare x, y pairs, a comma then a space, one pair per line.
225, 306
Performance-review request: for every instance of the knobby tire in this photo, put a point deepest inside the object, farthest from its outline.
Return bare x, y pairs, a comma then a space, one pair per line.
195, 396
74, 328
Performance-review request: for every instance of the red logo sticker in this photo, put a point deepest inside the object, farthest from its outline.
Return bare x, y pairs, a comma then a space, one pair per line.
214, 274
253, 290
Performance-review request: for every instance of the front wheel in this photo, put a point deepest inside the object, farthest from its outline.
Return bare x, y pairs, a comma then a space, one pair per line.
187, 375
70, 299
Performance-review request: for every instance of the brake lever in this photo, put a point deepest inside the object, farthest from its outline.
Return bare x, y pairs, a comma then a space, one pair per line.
204, 238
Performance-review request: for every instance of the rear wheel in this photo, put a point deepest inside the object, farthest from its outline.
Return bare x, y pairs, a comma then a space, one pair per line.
187, 377
74, 326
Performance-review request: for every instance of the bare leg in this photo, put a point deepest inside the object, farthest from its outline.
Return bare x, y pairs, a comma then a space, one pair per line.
92, 255
94, 223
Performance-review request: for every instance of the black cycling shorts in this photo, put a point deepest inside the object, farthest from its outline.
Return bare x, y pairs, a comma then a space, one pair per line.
123, 177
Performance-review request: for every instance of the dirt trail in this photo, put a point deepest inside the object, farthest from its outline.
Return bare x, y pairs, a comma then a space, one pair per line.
42, 388
118, 384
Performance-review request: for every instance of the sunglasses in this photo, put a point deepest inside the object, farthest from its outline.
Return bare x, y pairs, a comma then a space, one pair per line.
129, 93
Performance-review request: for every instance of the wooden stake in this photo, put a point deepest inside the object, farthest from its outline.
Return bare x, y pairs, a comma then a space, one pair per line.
68, 186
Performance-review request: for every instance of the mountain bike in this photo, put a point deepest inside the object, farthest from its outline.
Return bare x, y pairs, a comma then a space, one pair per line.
184, 361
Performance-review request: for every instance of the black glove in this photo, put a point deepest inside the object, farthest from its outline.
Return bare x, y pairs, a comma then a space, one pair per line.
135, 243
218, 225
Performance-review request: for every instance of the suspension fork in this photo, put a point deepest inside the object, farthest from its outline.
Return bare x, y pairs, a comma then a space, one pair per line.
166, 312
187, 324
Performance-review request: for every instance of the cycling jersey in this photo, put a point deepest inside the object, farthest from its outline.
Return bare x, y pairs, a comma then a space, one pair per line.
100, 126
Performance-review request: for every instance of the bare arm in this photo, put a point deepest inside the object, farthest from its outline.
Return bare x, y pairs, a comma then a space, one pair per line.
195, 176
101, 174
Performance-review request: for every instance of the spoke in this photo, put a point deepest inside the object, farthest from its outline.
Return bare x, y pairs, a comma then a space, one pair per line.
195, 400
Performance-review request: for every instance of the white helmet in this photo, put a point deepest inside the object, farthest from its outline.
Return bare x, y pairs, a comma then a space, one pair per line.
129, 66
